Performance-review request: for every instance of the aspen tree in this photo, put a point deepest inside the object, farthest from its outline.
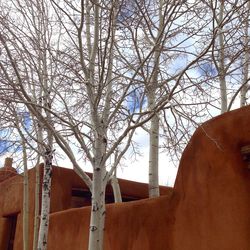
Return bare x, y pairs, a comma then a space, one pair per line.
96, 61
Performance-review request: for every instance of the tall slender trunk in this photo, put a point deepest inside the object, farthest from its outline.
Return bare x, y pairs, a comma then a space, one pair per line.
243, 99
37, 207
37, 180
221, 65
45, 209
97, 218
154, 190
25, 186
48, 156
116, 189
25, 201
106, 112
25, 192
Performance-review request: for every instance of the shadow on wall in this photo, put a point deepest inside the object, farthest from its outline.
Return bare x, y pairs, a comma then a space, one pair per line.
208, 208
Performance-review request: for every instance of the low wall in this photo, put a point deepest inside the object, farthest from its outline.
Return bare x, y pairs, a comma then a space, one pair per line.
145, 224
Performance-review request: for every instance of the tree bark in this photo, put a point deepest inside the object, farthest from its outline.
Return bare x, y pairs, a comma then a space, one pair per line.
37, 207
25, 202
97, 218
46, 188
25, 190
222, 73
245, 88
154, 190
116, 189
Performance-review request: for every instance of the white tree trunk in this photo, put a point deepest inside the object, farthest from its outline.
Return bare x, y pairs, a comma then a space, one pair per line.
222, 73
116, 189
97, 218
37, 206
25, 190
154, 190
223, 93
37, 180
45, 209
25, 202
245, 88
48, 156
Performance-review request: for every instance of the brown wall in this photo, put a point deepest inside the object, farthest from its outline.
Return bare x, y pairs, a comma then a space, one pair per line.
209, 208
63, 180
138, 225
11, 205
213, 183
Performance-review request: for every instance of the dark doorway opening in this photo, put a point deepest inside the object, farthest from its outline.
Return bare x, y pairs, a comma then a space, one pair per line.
11, 230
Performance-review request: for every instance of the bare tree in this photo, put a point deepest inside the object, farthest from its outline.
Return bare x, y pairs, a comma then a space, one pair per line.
25, 36
168, 29
227, 65
11, 127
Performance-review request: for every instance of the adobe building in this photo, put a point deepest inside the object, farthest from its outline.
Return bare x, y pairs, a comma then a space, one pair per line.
208, 208
67, 191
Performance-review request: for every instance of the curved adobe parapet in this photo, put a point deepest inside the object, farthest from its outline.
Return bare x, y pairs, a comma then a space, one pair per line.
209, 208
213, 184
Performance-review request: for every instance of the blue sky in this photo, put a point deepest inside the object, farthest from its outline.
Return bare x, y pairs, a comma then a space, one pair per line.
9, 140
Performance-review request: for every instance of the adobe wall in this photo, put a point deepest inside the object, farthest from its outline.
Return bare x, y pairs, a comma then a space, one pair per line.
213, 183
63, 180
11, 204
208, 209
138, 225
